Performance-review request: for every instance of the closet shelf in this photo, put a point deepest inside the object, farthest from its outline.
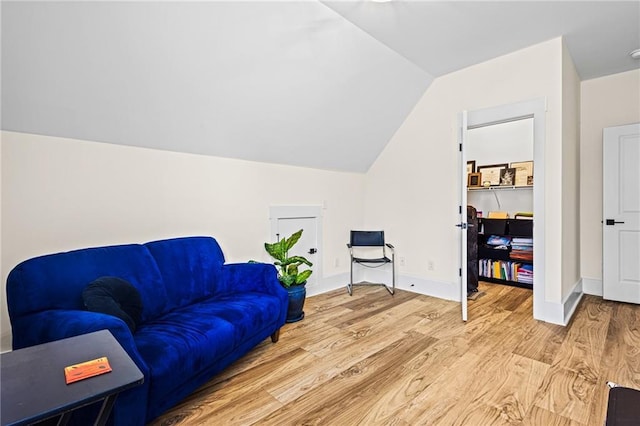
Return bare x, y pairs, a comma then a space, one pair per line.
500, 188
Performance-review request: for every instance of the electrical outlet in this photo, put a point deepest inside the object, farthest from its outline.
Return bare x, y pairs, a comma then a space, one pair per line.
430, 266
403, 261
337, 262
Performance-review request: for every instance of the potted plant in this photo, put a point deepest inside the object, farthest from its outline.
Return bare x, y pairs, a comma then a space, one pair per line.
290, 275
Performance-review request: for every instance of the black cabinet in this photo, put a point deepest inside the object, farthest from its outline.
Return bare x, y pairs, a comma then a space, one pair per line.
505, 251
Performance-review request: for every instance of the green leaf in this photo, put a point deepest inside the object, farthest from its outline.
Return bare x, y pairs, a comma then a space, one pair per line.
302, 276
292, 269
287, 280
292, 240
288, 267
297, 259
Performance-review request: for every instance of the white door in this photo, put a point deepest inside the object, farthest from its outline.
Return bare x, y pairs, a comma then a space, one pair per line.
463, 215
621, 214
287, 220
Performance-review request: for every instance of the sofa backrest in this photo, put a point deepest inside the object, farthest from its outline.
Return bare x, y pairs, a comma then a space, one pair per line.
56, 281
191, 268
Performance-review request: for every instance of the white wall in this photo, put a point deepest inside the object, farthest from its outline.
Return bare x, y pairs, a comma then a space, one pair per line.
502, 143
570, 176
412, 191
605, 102
62, 194
5, 341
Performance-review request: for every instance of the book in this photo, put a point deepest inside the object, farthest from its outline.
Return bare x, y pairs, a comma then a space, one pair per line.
498, 215
522, 241
498, 240
84, 370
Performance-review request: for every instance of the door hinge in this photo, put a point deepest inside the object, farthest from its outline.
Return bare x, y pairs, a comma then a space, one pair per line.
459, 272
460, 147
460, 209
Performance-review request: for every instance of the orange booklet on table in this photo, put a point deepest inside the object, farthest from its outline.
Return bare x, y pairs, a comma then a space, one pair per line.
84, 370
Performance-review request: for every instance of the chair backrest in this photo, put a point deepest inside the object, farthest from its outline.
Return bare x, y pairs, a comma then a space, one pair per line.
367, 238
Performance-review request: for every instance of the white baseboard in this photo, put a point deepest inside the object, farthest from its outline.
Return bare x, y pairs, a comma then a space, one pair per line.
548, 311
572, 300
5, 342
592, 286
439, 289
327, 284
559, 313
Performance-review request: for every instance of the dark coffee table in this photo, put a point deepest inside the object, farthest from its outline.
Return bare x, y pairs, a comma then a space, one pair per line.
33, 383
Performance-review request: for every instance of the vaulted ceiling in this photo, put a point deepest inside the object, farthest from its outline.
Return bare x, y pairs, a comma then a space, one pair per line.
307, 83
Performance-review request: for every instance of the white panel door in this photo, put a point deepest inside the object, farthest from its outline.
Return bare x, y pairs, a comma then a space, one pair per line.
621, 214
285, 220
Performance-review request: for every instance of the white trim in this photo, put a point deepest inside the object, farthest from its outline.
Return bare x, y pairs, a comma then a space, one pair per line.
464, 128
328, 284
536, 108
561, 313
505, 113
439, 289
572, 300
5, 342
548, 311
289, 212
592, 286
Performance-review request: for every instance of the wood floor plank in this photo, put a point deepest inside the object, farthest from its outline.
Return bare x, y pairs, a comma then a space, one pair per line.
621, 357
302, 380
621, 353
542, 342
571, 381
408, 359
348, 388
540, 417
415, 377
441, 397
363, 308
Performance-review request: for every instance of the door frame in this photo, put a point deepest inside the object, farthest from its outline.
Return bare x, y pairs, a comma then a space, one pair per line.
293, 212
464, 127
536, 109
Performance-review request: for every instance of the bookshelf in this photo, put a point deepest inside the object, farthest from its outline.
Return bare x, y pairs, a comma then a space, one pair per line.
505, 251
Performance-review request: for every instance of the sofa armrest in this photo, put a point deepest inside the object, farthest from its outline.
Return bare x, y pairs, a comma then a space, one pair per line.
47, 326
258, 277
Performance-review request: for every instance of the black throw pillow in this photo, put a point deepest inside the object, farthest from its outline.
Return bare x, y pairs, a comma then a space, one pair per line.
114, 296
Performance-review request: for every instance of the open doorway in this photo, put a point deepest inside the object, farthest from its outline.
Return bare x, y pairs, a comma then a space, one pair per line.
503, 180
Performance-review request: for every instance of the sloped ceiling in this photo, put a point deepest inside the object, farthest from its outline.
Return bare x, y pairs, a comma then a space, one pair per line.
307, 83
284, 82
445, 36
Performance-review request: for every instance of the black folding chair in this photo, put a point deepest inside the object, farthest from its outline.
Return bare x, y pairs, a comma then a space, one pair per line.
371, 241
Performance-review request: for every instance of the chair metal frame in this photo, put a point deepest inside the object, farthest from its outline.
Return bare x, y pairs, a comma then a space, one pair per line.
371, 239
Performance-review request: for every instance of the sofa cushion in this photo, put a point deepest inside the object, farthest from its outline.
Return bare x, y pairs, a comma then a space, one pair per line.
56, 281
249, 313
116, 297
191, 267
181, 344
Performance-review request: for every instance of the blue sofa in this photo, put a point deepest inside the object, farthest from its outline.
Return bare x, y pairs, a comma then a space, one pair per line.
199, 315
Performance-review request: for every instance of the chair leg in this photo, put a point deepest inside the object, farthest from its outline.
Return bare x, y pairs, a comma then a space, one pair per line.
393, 275
350, 285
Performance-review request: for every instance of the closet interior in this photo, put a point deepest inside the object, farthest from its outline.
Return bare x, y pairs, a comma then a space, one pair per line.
500, 185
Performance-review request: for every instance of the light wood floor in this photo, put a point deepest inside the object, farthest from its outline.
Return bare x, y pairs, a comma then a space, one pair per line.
373, 359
